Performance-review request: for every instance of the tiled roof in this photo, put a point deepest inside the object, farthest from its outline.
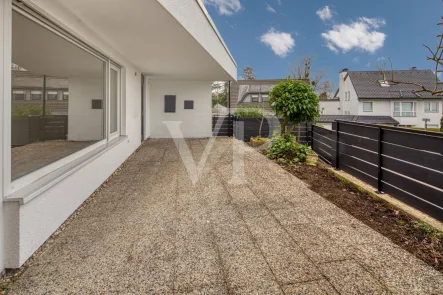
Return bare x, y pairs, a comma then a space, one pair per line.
358, 119
367, 84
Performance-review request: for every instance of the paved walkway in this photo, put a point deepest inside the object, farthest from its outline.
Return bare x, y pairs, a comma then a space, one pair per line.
150, 231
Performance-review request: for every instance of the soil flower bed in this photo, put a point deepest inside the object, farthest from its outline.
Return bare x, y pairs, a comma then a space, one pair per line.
418, 238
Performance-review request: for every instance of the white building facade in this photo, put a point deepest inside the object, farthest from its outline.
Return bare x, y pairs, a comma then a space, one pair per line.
364, 94
130, 69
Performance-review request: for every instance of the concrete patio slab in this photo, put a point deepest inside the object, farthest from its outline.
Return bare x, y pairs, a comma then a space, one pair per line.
245, 226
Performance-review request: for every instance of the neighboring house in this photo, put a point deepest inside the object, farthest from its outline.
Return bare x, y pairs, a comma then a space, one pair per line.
330, 106
131, 72
365, 93
27, 88
327, 120
252, 92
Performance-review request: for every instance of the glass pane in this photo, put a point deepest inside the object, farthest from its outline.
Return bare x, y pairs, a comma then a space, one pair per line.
396, 106
46, 130
407, 106
114, 101
367, 106
427, 107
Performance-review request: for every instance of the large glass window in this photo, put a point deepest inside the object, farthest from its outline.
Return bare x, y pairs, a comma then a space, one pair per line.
47, 128
404, 109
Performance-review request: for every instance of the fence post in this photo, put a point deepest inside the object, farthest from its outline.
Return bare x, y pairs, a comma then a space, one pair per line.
337, 157
379, 161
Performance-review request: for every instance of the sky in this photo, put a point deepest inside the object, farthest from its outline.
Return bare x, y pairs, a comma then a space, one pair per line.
268, 35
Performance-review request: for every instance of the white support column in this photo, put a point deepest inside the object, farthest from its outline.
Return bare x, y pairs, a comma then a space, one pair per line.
5, 107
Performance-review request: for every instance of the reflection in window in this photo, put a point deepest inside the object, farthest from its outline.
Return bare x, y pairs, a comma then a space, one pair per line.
45, 130
18, 95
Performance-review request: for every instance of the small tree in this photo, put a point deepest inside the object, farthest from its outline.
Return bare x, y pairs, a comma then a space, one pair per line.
248, 73
296, 102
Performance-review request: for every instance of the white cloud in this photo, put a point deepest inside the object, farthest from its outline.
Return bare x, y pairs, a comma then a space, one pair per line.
361, 34
279, 2
270, 8
325, 13
281, 43
225, 7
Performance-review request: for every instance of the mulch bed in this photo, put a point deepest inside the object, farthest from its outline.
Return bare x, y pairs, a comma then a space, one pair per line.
416, 237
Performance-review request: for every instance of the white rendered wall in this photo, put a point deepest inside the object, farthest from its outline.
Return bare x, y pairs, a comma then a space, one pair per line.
330, 107
84, 123
379, 108
5, 82
352, 105
147, 110
195, 123
28, 226
434, 117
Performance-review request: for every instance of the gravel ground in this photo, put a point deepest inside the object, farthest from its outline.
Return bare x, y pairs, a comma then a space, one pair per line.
150, 230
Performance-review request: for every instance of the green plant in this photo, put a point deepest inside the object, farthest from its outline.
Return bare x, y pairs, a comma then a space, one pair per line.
430, 231
252, 111
285, 149
26, 110
282, 148
296, 102
302, 152
441, 124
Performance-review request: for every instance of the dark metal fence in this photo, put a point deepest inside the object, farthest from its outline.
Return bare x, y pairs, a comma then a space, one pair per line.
404, 163
245, 128
222, 125
36, 128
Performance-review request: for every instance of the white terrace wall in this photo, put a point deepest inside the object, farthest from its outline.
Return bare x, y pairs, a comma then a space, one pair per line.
195, 123
5, 76
85, 123
28, 225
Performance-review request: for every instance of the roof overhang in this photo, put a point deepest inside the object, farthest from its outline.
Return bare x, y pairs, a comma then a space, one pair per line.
162, 38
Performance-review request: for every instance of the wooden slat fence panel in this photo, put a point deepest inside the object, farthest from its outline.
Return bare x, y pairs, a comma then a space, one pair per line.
423, 158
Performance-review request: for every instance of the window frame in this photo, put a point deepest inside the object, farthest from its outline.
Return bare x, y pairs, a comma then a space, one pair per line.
110, 67
255, 98
437, 103
400, 113
372, 106
10, 185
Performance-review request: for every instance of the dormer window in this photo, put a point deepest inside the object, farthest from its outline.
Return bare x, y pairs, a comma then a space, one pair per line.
384, 83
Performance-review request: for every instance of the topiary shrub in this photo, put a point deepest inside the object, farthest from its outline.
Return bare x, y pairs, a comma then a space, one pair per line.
296, 102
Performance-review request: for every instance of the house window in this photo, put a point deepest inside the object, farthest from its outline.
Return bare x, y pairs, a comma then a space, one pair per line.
254, 98
51, 95
431, 107
36, 95
18, 95
405, 109
78, 127
367, 107
265, 97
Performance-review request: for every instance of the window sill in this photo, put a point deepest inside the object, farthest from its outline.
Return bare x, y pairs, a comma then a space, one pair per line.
36, 188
